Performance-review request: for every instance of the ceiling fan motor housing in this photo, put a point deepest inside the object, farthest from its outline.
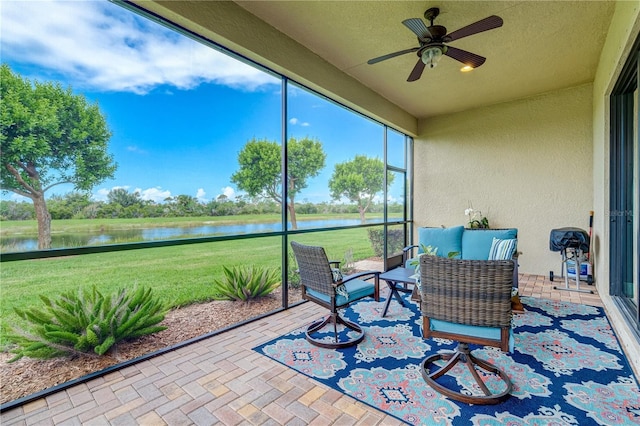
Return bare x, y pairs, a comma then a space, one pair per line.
437, 31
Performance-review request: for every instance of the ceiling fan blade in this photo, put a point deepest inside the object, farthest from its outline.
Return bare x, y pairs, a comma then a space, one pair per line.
417, 71
418, 27
465, 57
391, 55
485, 24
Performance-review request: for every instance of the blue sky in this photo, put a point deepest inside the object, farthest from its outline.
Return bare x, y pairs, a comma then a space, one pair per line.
179, 111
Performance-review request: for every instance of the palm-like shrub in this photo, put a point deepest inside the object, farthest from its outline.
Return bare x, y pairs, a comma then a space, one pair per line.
242, 283
294, 276
87, 322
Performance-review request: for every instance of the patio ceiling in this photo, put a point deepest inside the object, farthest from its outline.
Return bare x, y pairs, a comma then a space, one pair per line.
543, 46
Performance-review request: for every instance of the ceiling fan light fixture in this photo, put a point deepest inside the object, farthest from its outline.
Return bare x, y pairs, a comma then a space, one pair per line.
431, 55
467, 68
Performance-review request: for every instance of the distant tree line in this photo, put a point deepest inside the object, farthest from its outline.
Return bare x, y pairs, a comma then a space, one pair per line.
121, 203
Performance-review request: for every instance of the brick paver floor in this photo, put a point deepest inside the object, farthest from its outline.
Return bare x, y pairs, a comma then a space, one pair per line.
221, 380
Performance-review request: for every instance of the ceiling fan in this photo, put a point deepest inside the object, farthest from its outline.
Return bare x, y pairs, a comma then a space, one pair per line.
432, 42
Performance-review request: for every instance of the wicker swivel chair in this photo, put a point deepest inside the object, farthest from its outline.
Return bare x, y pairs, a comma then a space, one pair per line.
468, 301
319, 286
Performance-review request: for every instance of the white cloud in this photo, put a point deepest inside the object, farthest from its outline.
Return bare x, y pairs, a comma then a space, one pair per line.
136, 150
200, 195
103, 193
295, 122
12, 196
101, 46
157, 194
229, 192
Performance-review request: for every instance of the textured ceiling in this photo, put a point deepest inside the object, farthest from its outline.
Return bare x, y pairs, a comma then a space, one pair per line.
542, 46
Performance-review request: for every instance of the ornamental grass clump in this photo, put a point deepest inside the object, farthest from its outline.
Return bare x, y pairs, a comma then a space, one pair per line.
243, 283
87, 322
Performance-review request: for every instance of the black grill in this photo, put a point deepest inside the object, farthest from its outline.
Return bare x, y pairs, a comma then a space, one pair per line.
568, 238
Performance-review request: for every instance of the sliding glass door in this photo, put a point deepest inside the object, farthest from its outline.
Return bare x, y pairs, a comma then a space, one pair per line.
624, 190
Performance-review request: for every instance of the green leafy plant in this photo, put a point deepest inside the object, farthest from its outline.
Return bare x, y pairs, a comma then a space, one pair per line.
87, 322
429, 251
245, 283
294, 276
395, 240
476, 219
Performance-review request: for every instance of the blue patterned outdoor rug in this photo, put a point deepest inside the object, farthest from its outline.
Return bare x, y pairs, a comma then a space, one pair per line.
567, 368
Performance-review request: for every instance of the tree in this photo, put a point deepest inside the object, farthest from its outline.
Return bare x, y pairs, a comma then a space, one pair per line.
260, 171
14, 210
185, 205
68, 206
49, 137
359, 180
124, 198
122, 203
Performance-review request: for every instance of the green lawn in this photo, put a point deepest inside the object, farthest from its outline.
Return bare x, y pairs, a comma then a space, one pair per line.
179, 275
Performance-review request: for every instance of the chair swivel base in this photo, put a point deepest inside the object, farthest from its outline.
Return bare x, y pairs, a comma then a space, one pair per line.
463, 355
333, 320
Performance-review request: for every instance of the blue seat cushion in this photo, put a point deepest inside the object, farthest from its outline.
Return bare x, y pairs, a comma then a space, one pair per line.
470, 330
476, 244
446, 240
357, 289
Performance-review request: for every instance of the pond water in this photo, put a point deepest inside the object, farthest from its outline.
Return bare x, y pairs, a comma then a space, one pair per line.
30, 243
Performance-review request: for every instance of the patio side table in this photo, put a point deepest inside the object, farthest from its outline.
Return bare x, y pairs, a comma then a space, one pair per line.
398, 280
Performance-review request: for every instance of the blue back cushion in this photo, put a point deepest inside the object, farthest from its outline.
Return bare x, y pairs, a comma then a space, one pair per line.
445, 240
476, 243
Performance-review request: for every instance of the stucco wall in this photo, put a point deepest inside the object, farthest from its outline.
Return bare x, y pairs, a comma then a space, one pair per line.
525, 164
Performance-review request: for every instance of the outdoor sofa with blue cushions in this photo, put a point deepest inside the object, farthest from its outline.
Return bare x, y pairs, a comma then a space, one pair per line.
469, 244
498, 246
483, 256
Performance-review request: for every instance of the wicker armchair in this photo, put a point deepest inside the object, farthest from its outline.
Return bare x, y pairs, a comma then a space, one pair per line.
319, 286
468, 301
